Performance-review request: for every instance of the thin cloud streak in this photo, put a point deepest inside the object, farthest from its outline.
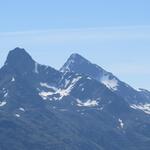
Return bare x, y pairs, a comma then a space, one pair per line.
65, 35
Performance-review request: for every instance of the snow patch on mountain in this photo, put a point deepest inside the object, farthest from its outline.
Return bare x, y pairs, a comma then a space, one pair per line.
6, 94
22, 109
13, 79
62, 92
66, 92
66, 83
48, 86
88, 103
82, 89
36, 68
45, 95
112, 84
73, 82
45, 85
142, 90
144, 107
17, 115
121, 123
3, 103
89, 78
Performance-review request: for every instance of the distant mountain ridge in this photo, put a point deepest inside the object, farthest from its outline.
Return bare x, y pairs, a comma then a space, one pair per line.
80, 107
79, 64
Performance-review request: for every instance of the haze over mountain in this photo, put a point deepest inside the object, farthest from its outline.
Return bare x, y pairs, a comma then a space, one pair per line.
79, 107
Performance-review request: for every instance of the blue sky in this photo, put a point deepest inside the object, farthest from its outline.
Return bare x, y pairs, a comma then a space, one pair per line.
114, 34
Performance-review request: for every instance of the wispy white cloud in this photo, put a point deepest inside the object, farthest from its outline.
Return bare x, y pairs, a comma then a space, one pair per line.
64, 35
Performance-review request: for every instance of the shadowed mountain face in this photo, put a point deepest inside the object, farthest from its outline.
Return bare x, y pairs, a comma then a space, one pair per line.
80, 107
19, 59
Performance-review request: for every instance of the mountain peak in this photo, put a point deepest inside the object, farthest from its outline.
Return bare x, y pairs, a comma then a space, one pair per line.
78, 64
19, 58
18, 49
74, 60
77, 57
17, 53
